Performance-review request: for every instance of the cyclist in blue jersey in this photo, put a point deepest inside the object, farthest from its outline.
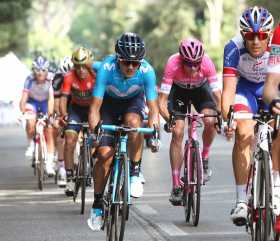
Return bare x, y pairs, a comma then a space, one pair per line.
122, 82
245, 70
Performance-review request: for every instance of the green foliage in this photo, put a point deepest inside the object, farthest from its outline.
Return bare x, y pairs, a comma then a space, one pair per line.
13, 25
272, 6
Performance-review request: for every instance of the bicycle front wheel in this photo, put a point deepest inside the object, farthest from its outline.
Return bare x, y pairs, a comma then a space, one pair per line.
196, 187
120, 209
39, 163
263, 212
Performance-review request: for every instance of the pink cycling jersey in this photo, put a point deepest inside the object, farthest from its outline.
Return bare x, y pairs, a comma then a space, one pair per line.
174, 73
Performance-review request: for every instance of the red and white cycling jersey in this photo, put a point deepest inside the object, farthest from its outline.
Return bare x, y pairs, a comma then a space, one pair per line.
174, 73
274, 57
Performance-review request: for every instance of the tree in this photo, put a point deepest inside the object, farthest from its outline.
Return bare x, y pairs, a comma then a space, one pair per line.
13, 25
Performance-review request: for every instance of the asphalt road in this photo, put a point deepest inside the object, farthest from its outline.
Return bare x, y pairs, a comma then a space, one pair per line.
27, 214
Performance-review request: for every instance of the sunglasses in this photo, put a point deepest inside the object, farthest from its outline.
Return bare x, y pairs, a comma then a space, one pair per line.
192, 64
252, 35
134, 63
40, 70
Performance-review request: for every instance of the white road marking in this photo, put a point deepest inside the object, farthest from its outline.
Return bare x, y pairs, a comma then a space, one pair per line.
171, 229
146, 209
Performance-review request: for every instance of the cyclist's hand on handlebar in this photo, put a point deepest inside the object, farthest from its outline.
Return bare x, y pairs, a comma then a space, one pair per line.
154, 144
274, 106
170, 124
229, 130
63, 120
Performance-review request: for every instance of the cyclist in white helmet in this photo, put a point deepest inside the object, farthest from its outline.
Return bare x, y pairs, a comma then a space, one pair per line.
65, 66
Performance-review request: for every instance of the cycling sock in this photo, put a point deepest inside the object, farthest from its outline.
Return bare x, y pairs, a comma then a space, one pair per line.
241, 194
50, 157
98, 202
276, 178
69, 174
60, 163
135, 168
205, 152
176, 178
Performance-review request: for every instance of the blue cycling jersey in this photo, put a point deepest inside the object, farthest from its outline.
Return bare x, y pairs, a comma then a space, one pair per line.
111, 81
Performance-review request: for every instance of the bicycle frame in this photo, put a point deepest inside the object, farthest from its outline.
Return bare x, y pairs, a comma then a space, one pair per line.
192, 137
121, 149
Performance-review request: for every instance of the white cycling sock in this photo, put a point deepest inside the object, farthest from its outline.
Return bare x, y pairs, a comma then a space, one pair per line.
276, 178
50, 157
241, 195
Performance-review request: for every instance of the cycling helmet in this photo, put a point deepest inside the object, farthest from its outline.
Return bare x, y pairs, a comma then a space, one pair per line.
130, 47
40, 63
66, 64
191, 50
82, 56
256, 19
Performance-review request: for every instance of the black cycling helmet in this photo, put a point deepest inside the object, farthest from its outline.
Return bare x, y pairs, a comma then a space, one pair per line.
130, 47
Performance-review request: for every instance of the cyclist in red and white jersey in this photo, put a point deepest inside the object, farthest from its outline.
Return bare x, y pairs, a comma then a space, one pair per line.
189, 75
245, 68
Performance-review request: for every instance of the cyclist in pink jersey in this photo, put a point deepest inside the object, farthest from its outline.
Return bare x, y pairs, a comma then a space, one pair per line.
189, 75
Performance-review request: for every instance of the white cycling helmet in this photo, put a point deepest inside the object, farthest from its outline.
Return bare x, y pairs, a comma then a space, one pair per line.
66, 64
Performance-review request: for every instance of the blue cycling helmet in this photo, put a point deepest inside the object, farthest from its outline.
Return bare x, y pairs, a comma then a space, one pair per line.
40, 63
256, 19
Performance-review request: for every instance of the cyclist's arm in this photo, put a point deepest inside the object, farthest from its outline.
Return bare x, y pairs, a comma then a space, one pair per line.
231, 60
94, 112
271, 87
23, 101
51, 102
63, 105
163, 110
228, 94
153, 116
218, 98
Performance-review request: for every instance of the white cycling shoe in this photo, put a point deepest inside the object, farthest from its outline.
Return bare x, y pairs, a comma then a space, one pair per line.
136, 186
239, 214
50, 168
61, 177
30, 151
141, 176
95, 219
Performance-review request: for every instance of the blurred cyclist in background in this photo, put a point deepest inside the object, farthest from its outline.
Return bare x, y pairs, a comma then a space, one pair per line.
37, 96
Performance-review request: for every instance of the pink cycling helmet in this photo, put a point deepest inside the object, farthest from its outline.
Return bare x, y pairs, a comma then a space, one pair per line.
191, 50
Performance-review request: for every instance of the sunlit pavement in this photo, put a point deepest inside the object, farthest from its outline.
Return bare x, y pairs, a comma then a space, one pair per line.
27, 214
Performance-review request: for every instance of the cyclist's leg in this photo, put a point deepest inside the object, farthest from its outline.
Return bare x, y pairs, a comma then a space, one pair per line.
177, 97
245, 101
102, 165
30, 127
203, 102
43, 107
133, 114
71, 137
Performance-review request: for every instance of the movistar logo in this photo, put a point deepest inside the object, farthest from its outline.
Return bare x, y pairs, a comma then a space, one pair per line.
275, 50
108, 66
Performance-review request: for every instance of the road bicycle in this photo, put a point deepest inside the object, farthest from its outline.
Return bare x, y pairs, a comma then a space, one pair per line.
193, 177
84, 168
117, 197
260, 184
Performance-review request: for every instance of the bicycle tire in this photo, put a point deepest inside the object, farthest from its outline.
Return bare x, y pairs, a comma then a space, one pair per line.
119, 210
84, 156
263, 224
186, 199
196, 178
40, 167
77, 181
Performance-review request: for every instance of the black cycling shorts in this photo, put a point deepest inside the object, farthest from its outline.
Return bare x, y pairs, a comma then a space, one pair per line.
201, 98
113, 111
